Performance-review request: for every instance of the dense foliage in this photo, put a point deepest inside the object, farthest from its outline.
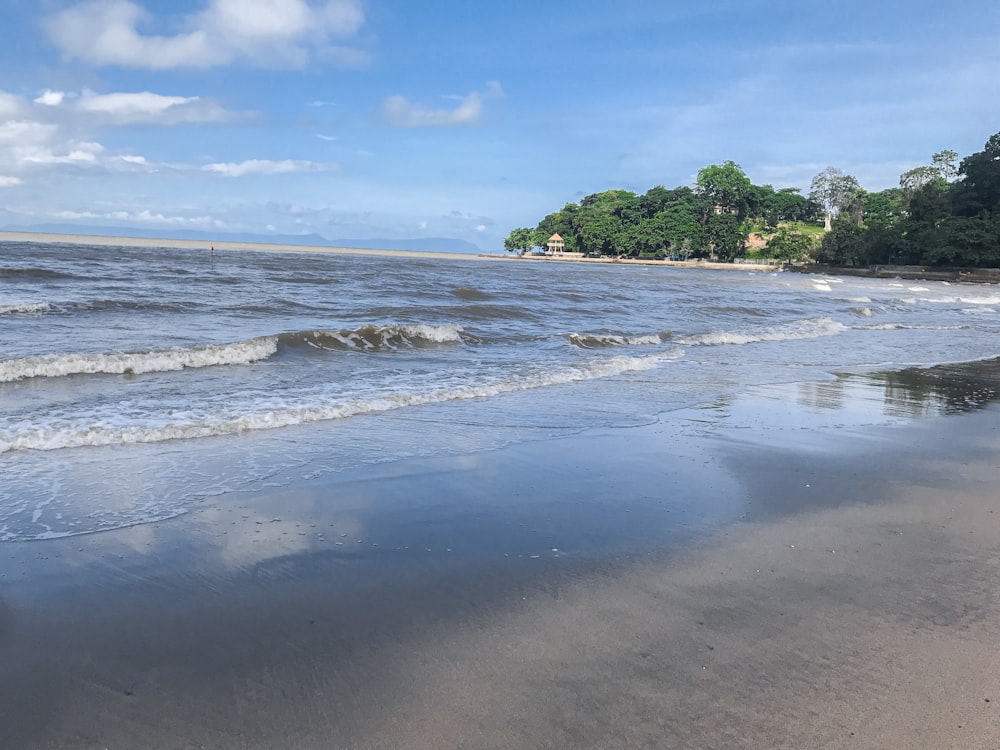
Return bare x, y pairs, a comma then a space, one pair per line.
942, 214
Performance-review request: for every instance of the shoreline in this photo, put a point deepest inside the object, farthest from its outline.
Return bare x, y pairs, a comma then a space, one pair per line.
765, 582
970, 275
144, 242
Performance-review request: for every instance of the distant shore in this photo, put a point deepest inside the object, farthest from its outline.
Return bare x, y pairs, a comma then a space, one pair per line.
109, 241
979, 275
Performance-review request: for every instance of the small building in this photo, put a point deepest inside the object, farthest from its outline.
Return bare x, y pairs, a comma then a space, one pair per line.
556, 244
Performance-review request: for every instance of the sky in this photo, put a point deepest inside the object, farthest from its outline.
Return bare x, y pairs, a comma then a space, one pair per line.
397, 119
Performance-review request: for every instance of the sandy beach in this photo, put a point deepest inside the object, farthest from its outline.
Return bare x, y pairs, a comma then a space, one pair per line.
747, 580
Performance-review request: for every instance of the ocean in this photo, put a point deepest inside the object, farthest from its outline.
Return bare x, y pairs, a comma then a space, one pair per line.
136, 384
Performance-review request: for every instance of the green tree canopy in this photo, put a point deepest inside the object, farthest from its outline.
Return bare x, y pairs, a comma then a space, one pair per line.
726, 186
834, 191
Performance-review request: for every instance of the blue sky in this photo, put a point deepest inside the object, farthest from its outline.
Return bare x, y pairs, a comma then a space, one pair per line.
384, 118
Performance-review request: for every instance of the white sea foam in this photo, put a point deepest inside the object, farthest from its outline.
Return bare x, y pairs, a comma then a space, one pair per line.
980, 300
599, 340
101, 429
25, 307
803, 329
393, 336
902, 327
157, 360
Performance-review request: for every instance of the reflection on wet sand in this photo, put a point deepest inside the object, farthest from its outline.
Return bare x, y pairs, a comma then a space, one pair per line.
911, 393
575, 587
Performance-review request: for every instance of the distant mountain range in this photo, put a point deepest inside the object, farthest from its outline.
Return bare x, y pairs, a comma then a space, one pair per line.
420, 244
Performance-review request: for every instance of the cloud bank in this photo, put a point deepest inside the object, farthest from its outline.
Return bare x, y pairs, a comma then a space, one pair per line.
264, 33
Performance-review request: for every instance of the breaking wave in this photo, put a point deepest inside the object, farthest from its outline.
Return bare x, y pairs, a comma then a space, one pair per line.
122, 363
902, 327
802, 329
366, 338
263, 413
375, 338
28, 307
602, 340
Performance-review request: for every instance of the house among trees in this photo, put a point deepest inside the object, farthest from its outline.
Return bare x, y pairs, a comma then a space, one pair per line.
556, 244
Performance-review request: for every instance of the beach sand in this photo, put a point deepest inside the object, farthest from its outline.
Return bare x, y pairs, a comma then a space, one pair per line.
764, 580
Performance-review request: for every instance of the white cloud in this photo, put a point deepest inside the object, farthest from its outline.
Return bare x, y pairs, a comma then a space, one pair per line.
10, 105
50, 98
9, 181
326, 137
129, 105
145, 216
21, 132
123, 108
399, 112
266, 167
79, 153
268, 33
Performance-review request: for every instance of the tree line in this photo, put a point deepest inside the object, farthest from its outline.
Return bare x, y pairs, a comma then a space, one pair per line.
946, 213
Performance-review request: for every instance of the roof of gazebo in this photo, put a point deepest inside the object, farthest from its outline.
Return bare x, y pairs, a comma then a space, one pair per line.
556, 238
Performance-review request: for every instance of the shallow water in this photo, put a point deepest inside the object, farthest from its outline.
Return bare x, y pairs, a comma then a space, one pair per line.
136, 383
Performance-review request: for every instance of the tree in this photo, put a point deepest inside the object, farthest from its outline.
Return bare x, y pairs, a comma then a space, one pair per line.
771, 207
884, 209
724, 235
563, 223
681, 228
601, 235
944, 162
834, 191
726, 186
843, 245
911, 181
519, 240
789, 244
977, 193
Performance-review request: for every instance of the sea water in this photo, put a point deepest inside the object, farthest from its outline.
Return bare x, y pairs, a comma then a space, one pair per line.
136, 383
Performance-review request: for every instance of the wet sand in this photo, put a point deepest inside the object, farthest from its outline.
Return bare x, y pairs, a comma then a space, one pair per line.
762, 575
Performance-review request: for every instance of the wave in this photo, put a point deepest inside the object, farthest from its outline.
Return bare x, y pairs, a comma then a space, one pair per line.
34, 273
135, 363
375, 338
602, 340
27, 307
265, 413
366, 338
802, 329
107, 305
904, 327
322, 281
471, 295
